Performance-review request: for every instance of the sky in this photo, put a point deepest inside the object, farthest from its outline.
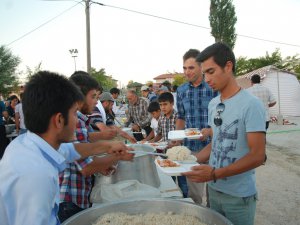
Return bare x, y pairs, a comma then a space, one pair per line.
133, 46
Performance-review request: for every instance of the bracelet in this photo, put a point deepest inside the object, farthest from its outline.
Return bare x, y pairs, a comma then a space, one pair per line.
213, 175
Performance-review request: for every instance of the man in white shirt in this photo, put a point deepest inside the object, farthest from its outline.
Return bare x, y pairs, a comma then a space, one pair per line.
264, 94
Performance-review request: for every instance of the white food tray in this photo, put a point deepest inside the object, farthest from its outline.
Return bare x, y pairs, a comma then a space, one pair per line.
176, 135
175, 171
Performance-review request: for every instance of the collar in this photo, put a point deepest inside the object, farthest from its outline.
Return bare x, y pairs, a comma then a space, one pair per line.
48, 150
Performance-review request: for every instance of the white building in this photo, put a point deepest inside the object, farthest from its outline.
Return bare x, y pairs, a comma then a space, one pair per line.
284, 86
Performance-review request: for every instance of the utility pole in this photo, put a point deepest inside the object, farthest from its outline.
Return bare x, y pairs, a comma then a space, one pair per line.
88, 36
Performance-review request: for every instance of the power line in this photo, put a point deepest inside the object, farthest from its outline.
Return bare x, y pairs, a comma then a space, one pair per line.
190, 24
43, 24
150, 15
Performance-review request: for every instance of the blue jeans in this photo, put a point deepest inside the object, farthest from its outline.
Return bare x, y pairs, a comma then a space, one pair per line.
239, 210
182, 185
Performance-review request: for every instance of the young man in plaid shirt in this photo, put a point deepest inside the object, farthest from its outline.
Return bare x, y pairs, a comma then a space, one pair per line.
167, 120
76, 179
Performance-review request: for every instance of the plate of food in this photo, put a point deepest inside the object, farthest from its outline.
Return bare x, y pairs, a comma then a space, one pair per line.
181, 154
172, 168
192, 133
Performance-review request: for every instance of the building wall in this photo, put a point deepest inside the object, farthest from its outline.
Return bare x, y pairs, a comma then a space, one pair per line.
286, 89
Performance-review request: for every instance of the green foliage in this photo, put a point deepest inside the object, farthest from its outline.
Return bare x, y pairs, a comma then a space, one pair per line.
222, 21
8, 67
148, 83
107, 82
30, 72
290, 63
179, 79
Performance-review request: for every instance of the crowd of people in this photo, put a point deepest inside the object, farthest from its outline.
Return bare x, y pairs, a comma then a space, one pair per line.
47, 172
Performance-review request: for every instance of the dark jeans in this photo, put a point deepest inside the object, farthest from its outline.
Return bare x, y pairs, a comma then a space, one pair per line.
139, 136
3, 140
182, 185
66, 210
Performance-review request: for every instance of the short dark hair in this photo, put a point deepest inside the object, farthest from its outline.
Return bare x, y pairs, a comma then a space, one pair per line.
166, 97
255, 79
115, 90
46, 94
84, 81
174, 88
153, 106
191, 53
221, 54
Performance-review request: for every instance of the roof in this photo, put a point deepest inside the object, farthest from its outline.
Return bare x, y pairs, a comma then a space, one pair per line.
245, 80
165, 76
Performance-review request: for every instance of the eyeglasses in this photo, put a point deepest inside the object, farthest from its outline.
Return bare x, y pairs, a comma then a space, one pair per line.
218, 120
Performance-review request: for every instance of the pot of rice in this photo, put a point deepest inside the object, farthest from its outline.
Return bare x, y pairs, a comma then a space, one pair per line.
148, 212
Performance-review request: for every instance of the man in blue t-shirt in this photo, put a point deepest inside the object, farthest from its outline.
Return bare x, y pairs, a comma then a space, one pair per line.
237, 120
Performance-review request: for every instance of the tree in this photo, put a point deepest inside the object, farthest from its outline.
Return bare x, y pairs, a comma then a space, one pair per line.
8, 67
222, 21
179, 79
290, 63
106, 81
30, 72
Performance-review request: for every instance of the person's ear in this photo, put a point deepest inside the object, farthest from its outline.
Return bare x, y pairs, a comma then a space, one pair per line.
229, 66
59, 120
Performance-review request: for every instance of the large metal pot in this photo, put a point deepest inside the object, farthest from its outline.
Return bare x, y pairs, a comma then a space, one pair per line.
142, 169
142, 206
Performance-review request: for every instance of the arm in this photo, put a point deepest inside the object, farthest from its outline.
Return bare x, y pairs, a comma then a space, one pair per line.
17, 121
102, 164
107, 134
150, 136
255, 158
157, 137
76, 151
180, 124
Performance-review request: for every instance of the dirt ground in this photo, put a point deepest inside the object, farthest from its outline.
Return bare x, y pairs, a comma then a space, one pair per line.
278, 181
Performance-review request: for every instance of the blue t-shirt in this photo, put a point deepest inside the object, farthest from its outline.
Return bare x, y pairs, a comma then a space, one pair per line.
243, 113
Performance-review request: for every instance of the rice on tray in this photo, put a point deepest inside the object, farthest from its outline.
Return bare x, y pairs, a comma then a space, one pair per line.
178, 153
148, 219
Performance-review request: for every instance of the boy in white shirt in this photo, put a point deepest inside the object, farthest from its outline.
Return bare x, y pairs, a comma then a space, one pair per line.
155, 111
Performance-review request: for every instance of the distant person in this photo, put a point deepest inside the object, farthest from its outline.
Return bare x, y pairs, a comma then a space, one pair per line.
155, 111
174, 93
3, 140
264, 94
193, 98
115, 92
146, 93
14, 100
138, 116
7, 118
237, 119
19, 118
163, 89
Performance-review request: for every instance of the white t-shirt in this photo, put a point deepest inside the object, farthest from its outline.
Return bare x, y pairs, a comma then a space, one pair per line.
102, 110
154, 125
19, 109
